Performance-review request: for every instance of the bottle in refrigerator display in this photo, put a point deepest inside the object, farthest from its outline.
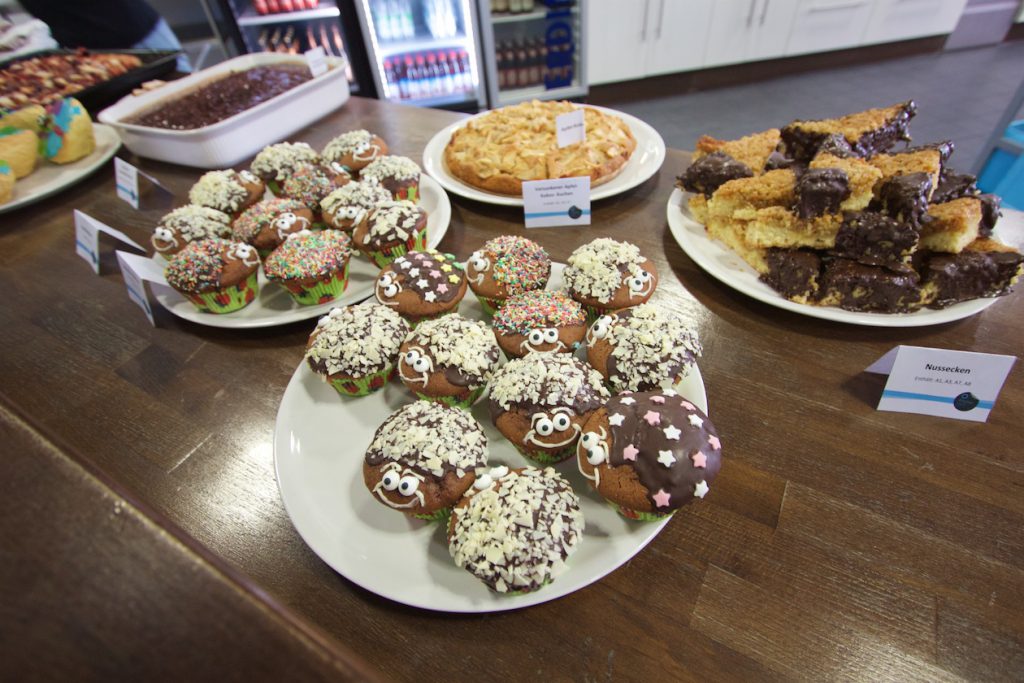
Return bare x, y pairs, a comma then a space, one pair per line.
533, 62
426, 88
447, 77
522, 65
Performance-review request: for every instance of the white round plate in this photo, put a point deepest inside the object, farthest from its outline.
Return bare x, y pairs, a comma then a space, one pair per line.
275, 306
50, 178
319, 442
724, 264
645, 162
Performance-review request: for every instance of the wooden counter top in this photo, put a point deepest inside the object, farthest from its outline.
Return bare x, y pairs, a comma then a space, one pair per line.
838, 542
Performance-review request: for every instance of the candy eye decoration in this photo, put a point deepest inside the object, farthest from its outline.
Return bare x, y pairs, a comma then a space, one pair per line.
244, 253
599, 330
550, 335
248, 177
390, 480
388, 288
420, 363
639, 284
408, 485
164, 235
543, 425
562, 422
479, 261
536, 337
541, 336
595, 450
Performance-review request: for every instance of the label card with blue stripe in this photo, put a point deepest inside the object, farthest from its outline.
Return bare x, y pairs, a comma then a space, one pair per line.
959, 384
135, 269
126, 179
87, 238
550, 203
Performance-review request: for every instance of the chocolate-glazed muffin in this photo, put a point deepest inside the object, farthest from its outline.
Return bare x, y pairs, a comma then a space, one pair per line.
267, 224
488, 534
229, 191
274, 163
398, 175
310, 185
391, 230
355, 348
189, 223
423, 458
449, 359
421, 285
606, 275
217, 275
641, 348
649, 453
505, 266
353, 150
347, 207
540, 321
541, 401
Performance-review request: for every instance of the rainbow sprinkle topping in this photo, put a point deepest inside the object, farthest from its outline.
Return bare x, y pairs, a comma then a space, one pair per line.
309, 254
259, 216
198, 267
519, 264
539, 308
308, 185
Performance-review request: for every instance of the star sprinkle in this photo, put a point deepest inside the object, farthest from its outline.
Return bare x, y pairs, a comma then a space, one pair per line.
701, 489
446, 268
652, 418
672, 433
414, 272
423, 284
695, 420
616, 419
454, 279
442, 288
661, 498
699, 459
628, 401
714, 442
435, 273
630, 452
666, 458
404, 265
657, 399
430, 296
688, 405
670, 392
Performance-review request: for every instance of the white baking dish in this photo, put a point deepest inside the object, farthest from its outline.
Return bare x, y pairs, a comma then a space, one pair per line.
241, 136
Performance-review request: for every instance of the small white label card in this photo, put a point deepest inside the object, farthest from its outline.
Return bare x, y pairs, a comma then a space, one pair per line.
126, 177
570, 128
958, 384
317, 60
87, 238
135, 269
564, 201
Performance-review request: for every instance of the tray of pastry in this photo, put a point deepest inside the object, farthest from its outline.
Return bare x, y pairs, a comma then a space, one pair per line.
97, 79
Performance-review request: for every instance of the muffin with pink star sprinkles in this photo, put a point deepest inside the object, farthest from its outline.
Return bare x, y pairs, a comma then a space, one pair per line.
606, 275
217, 275
649, 453
421, 285
515, 530
449, 359
312, 266
355, 348
540, 403
540, 321
267, 224
423, 458
641, 348
506, 266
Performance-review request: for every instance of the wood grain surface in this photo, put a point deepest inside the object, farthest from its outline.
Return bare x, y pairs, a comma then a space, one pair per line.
838, 542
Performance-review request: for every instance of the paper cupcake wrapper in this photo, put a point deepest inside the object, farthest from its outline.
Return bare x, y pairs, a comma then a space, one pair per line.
418, 242
411, 193
436, 516
546, 458
451, 401
321, 291
593, 313
490, 306
638, 516
229, 299
274, 187
362, 386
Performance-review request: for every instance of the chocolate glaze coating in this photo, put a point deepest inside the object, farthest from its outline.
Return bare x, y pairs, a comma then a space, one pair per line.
803, 145
969, 275
778, 160
837, 146
875, 239
793, 272
870, 288
710, 172
905, 198
991, 210
820, 191
954, 185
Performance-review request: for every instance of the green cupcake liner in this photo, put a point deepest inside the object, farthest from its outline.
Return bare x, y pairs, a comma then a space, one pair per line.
638, 516
490, 306
418, 242
545, 458
451, 401
593, 313
411, 194
320, 292
363, 386
274, 187
229, 299
441, 515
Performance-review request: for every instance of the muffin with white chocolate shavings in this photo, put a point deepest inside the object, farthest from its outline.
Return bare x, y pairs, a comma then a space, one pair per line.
391, 230
353, 150
606, 275
229, 191
641, 348
398, 175
540, 403
354, 349
346, 207
189, 223
423, 458
449, 359
514, 530
274, 163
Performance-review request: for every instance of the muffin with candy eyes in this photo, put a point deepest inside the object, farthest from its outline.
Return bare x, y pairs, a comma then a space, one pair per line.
186, 224
217, 275
229, 191
309, 185
312, 266
641, 348
347, 207
423, 458
506, 266
541, 401
421, 285
352, 151
449, 359
398, 175
606, 275
266, 225
275, 163
391, 230
649, 453
540, 321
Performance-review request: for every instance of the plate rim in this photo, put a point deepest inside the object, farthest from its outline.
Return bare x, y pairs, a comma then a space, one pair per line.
683, 226
507, 603
433, 162
161, 292
99, 129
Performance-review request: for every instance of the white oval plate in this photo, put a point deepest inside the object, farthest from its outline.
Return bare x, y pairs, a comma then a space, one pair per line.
724, 264
319, 442
50, 178
275, 306
645, 162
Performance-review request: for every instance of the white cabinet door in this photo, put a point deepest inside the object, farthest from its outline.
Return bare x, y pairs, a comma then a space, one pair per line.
772, 23
732, 22
905, 19
823, 25
677, 32
617, 39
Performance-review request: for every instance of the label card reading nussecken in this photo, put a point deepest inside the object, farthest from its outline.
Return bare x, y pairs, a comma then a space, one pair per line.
563, 201
959, 384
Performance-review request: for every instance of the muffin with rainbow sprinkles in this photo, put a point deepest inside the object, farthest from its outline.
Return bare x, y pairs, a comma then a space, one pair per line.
312, 266
506, 266
217, 275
